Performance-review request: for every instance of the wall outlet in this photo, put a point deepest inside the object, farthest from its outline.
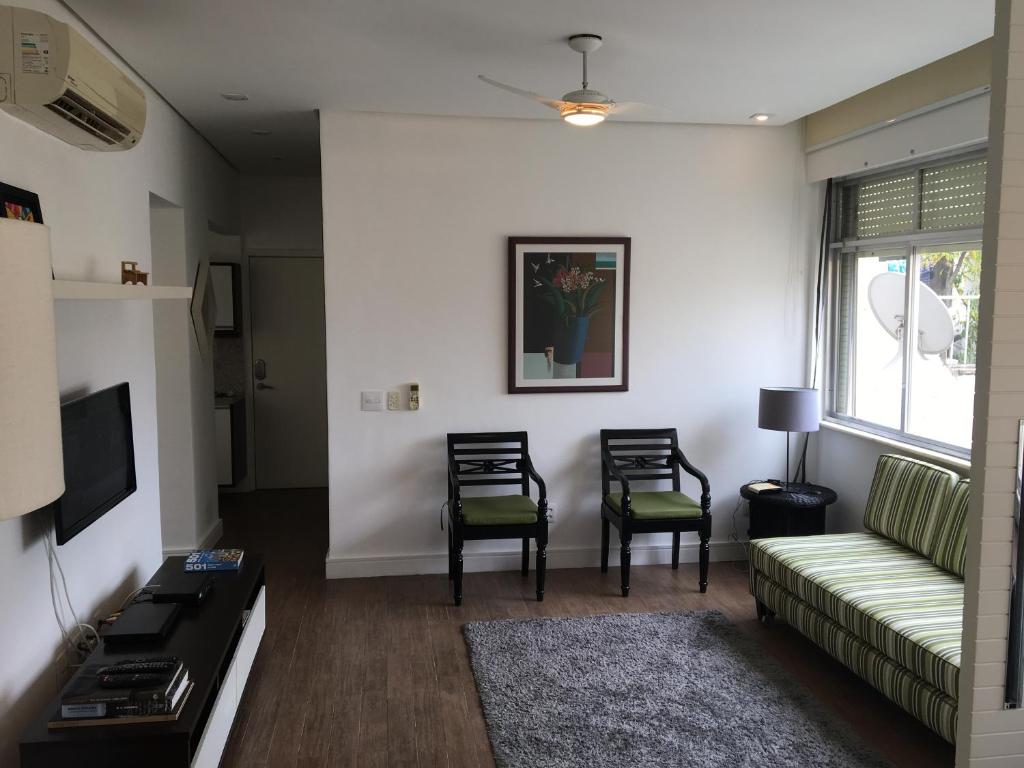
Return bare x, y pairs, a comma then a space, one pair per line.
394, 401
372, 400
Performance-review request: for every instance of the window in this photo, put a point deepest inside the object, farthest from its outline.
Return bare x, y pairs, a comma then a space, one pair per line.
903, 351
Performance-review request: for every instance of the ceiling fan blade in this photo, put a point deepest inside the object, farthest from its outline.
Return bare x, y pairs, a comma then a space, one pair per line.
553, 103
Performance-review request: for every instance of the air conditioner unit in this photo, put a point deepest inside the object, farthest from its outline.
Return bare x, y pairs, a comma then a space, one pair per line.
53, 78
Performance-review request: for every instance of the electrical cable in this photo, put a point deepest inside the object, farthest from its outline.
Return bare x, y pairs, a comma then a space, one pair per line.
819, 312
81, 644
740, 564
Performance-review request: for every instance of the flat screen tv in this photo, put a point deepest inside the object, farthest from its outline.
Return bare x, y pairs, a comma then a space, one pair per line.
99, 459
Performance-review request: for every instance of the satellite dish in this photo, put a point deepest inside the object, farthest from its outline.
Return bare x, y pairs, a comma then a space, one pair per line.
935, 331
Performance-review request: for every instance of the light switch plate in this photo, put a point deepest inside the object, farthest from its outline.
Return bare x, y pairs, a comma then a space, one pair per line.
372, 400
394, 401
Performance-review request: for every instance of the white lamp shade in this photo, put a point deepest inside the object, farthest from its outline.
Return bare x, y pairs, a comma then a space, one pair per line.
789, 409
31, 457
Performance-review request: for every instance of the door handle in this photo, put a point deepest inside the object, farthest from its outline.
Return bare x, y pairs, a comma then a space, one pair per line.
261, 385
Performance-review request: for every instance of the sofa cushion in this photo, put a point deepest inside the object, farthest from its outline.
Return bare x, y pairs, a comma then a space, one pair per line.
499, 510
892, 598
906, 499
656, 505
931, 706
951, 535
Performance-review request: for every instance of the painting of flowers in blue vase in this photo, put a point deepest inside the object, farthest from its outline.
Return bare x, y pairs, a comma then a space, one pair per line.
568, 322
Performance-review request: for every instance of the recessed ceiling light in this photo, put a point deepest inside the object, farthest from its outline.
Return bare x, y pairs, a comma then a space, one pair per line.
761, 117
234, 96
260, 132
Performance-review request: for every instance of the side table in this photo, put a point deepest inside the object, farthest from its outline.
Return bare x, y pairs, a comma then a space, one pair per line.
797, 510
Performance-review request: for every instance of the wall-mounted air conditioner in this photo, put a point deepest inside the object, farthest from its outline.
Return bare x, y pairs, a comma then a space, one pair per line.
53, 78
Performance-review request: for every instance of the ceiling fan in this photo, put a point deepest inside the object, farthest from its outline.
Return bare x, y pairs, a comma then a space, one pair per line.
581, 107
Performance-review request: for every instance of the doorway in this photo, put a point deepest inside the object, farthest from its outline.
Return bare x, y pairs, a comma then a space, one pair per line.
289, 370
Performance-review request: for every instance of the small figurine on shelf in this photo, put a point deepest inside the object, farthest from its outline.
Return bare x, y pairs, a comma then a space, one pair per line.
130, 273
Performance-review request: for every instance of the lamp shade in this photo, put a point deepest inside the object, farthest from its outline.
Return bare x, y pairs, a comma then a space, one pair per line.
31, 458
789, 409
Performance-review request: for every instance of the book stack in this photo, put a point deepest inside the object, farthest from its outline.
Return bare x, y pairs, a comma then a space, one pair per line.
214, 560
133, 691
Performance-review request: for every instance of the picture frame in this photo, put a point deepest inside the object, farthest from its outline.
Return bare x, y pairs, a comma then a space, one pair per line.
16, 203
568, 314
203, 309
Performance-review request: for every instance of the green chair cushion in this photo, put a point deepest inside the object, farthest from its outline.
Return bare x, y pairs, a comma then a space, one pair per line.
656, 505
906, 500
950, 550
890, 597
499, 510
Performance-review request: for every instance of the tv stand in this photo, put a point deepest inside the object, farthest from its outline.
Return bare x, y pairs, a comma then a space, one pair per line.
217, 640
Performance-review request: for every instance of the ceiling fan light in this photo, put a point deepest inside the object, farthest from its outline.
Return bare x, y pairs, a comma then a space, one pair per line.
584, 114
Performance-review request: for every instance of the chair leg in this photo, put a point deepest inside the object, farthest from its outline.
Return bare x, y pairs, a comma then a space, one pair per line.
526, 556
451, 561
624, 557
542, 563
457, 556
604, 544
675, 551
705, 556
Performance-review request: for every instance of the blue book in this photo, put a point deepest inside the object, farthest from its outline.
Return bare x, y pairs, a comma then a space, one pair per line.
214, 560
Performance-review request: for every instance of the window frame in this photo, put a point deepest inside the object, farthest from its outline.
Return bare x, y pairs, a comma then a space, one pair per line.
912, 242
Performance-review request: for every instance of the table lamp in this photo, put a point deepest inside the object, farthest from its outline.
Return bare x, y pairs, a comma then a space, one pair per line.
789, 409
31, 459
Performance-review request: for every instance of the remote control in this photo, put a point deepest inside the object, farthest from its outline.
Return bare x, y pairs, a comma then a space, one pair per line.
141, 666
132, 681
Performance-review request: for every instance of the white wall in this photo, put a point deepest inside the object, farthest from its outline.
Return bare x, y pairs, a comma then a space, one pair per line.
987, 735
282, 212
416, 212
97, 206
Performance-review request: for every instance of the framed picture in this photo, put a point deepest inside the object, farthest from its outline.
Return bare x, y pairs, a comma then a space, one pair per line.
568, 314
19, 204
203, 309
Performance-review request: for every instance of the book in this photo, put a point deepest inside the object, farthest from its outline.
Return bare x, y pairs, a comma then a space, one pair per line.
127, 719
764, 487
92, 694
214, 560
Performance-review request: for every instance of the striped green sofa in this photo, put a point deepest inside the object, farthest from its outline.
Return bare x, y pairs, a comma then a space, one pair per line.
887, 603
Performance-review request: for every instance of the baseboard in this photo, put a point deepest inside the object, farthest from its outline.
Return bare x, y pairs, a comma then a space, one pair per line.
207, 542
474, 562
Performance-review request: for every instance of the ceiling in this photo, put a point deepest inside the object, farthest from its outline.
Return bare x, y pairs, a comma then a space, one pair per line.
701, 61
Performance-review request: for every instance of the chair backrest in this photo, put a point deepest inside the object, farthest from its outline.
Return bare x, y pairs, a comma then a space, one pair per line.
488, 458
640, 454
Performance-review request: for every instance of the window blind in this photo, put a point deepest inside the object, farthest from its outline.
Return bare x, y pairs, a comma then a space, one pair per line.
924, 199
880, 207
953, 196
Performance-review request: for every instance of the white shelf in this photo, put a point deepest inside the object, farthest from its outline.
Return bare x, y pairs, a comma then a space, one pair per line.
78, 289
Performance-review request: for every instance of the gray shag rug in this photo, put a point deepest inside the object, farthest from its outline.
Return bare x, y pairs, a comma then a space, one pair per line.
647, 689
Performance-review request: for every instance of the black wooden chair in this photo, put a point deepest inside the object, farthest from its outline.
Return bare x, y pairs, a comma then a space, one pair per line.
630, 455
492, 459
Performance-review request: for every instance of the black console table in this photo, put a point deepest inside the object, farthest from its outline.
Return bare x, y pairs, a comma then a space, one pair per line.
796, 510
217, 641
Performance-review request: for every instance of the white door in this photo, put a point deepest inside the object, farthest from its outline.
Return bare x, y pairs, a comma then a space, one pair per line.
289, 371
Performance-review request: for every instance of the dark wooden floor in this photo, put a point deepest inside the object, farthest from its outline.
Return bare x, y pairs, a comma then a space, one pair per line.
374, 672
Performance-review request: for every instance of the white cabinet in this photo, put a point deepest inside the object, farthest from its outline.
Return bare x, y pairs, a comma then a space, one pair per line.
215, 736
